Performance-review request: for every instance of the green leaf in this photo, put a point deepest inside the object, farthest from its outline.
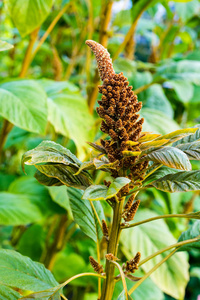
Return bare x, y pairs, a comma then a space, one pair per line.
156, 99
68, 113
122, 296
18, 209
5, 46
191, 233
153, 144
87, 165
161, 172
187, 10
84, 215
28, 15
148, 136
58, 163
6, 293
192, 150
102, 192
172, 276
178, 134
35, 192
170, 157
180, 70
140, 7
182, 181
190, 138
157, 121
28, 102
104, 165
65, 174
184, 89
97, 147
50, 294
21, 272
147, 290
59, 195
45, 180
31, 242
49, 151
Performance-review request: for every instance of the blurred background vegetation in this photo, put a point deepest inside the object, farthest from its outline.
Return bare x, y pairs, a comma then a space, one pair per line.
48, 90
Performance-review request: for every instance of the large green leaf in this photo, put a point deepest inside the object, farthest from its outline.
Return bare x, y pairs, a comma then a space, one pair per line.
84, 215
182, 181
23, 103
170, 157
157, 121
156, 99
6, 293
18, 209
65, 174
57, 162
102, 192
172, 276
49, 151
28, 15
187, 10
21, 272
147, 290
5, 46
184, 89
181, 70
36, 193
191, 149
190, 138
59, 195
68, 113
45, 180
191, 233
161, 172
178, 134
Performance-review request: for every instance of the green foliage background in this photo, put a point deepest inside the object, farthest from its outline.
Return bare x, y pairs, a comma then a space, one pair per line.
48, 92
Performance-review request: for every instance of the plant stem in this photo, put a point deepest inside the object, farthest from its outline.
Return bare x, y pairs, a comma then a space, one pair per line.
50, 28
122, 277
151, 271
109, 282
157, 218
177, 245
99, 261
7, 126
28, 55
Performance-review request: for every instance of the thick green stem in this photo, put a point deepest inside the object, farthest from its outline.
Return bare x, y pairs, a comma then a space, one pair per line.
109, 282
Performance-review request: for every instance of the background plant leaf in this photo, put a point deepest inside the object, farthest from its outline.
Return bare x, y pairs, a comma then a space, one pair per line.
192, 232
28, 15
5, 46
172, 276
21, 272
28, 102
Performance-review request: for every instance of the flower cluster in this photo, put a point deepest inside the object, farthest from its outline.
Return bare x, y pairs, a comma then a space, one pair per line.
119, 109
132, 264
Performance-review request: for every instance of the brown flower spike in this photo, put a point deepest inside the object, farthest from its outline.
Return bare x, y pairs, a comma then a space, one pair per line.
96, 266
119, 109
